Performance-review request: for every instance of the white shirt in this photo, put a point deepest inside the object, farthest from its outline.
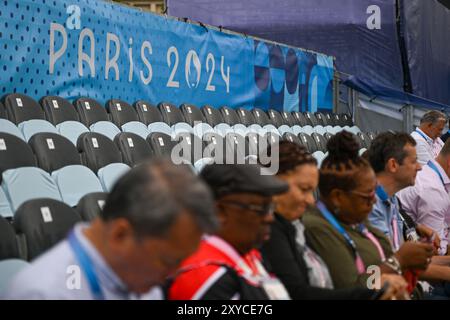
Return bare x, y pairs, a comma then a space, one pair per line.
427, 148
54, 275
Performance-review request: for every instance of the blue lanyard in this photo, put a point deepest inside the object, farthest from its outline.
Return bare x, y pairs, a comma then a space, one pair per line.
381, 193
433, 167
423, 136
332, 220
87, 266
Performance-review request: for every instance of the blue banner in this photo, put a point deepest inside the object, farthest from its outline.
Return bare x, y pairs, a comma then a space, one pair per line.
426, 26
361, 34
74, 48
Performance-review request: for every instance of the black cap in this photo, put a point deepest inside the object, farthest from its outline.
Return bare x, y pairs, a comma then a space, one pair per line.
226, 179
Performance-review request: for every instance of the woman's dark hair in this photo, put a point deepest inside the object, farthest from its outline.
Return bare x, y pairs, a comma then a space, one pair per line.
341, 167
290, 156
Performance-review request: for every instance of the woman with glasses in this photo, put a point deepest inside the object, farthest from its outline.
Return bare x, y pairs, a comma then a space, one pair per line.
356, 253
302, 271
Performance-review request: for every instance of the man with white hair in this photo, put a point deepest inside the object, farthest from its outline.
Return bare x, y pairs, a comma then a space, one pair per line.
427, 136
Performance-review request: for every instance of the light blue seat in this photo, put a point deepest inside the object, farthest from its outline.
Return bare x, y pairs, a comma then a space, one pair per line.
223, 129
74, 182
31, 127
106, 128
202, 128
354, 129
181, 127
330, 129
26, 183
361, 151
283, 129
319, 156
308, 130
201, 163
8, 269
5, 208
71, 130
136, 127
160, 127
240, 129
9, 127
256, 128
320, 130
337, 129
297, 130
109, 174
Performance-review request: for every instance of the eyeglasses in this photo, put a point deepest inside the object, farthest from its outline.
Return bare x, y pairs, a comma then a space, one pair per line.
369, 197
261, 210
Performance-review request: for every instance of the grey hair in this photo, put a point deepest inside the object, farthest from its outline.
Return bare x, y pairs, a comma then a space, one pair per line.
152, 195
433, 117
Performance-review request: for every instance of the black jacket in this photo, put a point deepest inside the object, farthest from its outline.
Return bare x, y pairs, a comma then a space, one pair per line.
283, 258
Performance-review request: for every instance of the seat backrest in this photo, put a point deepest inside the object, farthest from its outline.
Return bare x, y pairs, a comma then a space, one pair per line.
147, 112
364, 140
321, 119
347, 119
106, 128
321, 142
90, 111
34, 126
236, 148
200, 129
308, 142
275, 117
339, 121
9, 248
44, 222
121, 112
137, 128
170, 113
161, 143
14, 153
299, 118
23, 184
310, 119
2, 111
161, 127
192, 115
133, 147
331, 121
223, 129
97, 150
58, 110
74, 182
9, 127
284, 128
288, 136
212, 115
5, 208
245, 116
213, 143
8, 269
229, 116
240, 129
53, 151
190, 147
71, 130
20, 107
288, 119
109, 175
181, 127
90, 206
261, 117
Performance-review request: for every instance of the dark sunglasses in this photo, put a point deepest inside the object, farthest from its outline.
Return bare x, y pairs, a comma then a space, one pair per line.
261, 210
